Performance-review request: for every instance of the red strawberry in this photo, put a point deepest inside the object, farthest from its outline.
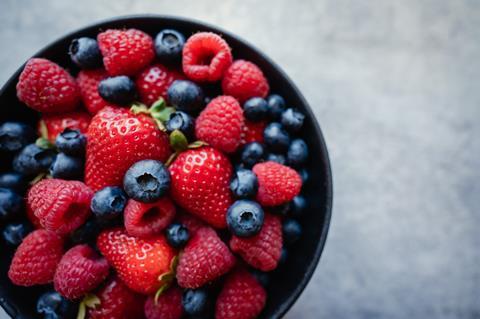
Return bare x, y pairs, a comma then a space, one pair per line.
220, 124
125, 52
148, 219
277, 183
242, 297
88, 81
61, 206
154, 82
117, 140
36, 259
168, 305
263, 250
200, 184
117, 302
80, 271
51, 125
144, 265
191, 222
244, 80
46, 87
204, 259
252, 132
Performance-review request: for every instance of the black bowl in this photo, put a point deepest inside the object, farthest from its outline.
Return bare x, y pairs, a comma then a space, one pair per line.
288, 281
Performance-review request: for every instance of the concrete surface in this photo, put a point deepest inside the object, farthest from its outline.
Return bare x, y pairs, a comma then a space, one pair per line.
395, 86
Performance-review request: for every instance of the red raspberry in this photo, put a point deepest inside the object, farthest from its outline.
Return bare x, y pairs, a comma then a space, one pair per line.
46, 87
244, 80
125, 52
154, 82
220, 124
168, 305
242, 297
191, 222
61, 206
145, 220
32, 218
205, 258
80, 271
88, 81
36, 259
252, 132
56, 123
206, 56
277, 183
263, 250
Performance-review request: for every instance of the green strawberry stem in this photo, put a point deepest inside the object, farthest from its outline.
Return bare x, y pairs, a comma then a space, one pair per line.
90, 301
43, 129
44, 143
38, 178
159, 112
166, 279
196, 144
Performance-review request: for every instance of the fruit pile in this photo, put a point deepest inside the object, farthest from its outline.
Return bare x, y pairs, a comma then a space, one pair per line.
162, 181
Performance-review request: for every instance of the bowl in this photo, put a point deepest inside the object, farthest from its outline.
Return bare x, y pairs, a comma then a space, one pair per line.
288, 281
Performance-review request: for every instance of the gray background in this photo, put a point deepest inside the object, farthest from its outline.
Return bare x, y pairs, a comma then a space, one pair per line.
395, 86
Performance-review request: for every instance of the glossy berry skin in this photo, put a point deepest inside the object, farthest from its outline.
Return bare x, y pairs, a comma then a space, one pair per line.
169, 45
11, 204
186, 96
85, 53
67, 167
168, 305
14, 136
153, 83
71, 142
276, 138
118, 90
57, 123
297, 153
146, 181
298, 205
244, 184
244, 80
255, 109
292, 120
292, 231
177, 235
109, 203
245, 218
51, 305
13, 181
33, 160
183, 122
195, 301
276, 106
14, 233
278, 158
252, 154
88, 81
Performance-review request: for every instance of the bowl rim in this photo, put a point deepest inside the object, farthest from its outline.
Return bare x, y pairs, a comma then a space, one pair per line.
295, 294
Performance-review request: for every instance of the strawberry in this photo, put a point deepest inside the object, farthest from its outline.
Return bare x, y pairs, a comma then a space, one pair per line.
88, 81
154, 82
168, 305
144, 265
50, 125
204, 259
200, 184
252, 132
118, 139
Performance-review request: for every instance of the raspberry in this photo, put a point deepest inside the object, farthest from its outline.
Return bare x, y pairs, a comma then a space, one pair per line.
125, 52
191, 222
277, 183
252, 132
145, 220
46, 87
244, 80
154, 82
168, 305
220, 124
242, 297
36, 259
88, 81
205, 258
56, 123
263, 250
80, 271
61, 206
206, 56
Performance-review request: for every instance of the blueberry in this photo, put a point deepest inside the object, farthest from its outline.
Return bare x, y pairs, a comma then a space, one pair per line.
262, 277
279, 158
32, 160
87, 233
14, 181
244, 184
297, 153
283, 256
297, 206
304, 175
11, 204
16, 232
291, 231
169, 45
118, 89
276, 106
183, 122
71, 142
255, 109
177, 235
53, 306
276, 138
292, 120
108, 203
245, 218
85, 53
195, 301
67, 167
147, 181
185, 96
14, 136
252, 153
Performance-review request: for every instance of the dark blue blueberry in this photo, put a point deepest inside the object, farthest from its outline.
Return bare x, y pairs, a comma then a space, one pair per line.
16, 232
283, 256
262, 277
53, 306
85, 53
71, 142
245, 218
186, 96
169, 45
33, 160
281, 210
195, 301
292, 120
11, 204
118, 89
297, 153
177, 235
183, 122
67, 167
14, 136
255, 109
14, 181
108, 203
147, 181
279, 158
244, 184
304, 175
297, 206
252, 153
276, 138
87, 233
292, 231
276, 106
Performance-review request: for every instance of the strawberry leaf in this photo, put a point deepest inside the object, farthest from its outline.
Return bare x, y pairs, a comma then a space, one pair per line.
178, 141
139, 108
90, 301
197, 144
44, 143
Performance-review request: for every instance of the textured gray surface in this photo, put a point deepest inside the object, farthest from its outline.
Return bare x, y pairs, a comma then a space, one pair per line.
395, 86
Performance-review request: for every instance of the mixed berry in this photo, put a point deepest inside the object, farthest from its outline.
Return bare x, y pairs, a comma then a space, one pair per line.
142, 195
